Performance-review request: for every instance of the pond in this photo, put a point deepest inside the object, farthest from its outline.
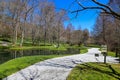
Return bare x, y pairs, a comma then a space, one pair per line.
6, 55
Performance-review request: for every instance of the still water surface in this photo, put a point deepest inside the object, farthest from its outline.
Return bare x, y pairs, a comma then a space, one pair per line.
6, 55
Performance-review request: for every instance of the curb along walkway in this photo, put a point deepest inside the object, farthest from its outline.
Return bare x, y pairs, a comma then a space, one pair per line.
57, 68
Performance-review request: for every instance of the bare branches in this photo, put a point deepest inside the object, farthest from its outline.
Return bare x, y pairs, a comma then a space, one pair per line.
80, 4
100, 6
108, 9
87, 8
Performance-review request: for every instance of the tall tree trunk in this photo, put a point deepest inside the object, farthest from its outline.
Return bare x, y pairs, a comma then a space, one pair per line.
15, 34
22, 35
23, 30
22, 39
45, 34
58, 37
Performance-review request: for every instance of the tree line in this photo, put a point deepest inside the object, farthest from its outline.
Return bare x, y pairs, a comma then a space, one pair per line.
107, 27
106, 31
39, 22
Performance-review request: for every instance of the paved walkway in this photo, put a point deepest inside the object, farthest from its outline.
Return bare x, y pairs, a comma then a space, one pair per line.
57, 68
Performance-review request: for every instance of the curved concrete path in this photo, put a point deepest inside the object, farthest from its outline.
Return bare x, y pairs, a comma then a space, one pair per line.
57, 68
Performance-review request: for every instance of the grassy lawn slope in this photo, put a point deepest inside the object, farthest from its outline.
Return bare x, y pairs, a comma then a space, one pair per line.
17, 64
95, 71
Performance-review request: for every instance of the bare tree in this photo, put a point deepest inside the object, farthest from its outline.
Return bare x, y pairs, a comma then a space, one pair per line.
85, 36
104, 32
77, 36
26, 12
69, 31
60, 18
23, 19
46, 12
15, 12
5, 28
104, 7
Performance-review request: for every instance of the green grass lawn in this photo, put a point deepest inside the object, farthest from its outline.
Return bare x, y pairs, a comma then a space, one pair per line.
17, 64
95, 71
83, 50
52, 47
111, 53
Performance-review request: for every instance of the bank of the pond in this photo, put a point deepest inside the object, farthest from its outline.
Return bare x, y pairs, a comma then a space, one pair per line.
17, 64
50, 47
37, 47
82, 49
95, 71
6, 55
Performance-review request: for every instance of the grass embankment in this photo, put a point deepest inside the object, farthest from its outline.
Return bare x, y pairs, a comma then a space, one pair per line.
37, 47
95, 71
50, 47
17, 64
83, 49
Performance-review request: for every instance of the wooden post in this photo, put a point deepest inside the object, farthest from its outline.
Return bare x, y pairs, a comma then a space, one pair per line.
104, 51
119, 54
105, 54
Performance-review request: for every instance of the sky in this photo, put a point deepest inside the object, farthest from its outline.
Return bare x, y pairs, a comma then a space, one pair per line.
84, 19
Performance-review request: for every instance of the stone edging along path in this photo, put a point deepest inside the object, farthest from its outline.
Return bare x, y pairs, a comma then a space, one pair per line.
58, 68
